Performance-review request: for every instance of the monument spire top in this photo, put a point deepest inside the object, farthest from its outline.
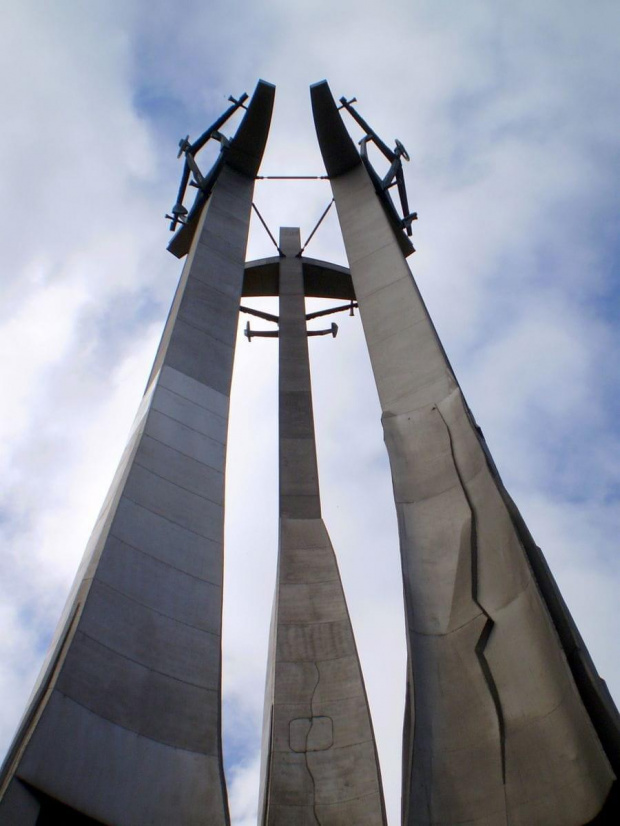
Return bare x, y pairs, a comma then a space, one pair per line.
506, 718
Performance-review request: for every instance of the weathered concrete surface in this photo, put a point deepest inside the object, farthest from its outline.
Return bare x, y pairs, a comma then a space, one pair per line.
319, 757
124, 725
496, 728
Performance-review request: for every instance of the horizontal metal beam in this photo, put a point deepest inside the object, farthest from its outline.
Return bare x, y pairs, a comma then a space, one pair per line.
321, 279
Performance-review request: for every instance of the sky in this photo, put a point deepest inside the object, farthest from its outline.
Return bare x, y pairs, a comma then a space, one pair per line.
510, 115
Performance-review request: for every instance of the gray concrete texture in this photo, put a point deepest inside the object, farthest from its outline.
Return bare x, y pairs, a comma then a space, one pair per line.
496, 731
125, 727
319, 756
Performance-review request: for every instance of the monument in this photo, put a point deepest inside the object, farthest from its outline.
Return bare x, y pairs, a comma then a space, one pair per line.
507, 720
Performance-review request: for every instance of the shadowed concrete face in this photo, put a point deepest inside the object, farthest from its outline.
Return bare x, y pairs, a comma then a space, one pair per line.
124, 726
319, 756
497, 730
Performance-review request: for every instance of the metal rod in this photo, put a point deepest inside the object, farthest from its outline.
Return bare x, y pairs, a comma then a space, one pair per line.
318, 224
340, 309
183, 184
369, 131
200, 142
268, 231
259, 314
292, 177
332, 331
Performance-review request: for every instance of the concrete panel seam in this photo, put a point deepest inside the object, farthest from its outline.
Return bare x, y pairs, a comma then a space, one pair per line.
421, 499
312, 622
176, 484
406, 276
311, 582
171, 521
148, 667
182, 318
195, 403
354, 261
358, 797
161, 561
322, 660
378, 339
331, 701
451, 631
171, 378
133, 731
212, 284
342, 748
224, 260
182, 452
544, 716
101, 583
189, 427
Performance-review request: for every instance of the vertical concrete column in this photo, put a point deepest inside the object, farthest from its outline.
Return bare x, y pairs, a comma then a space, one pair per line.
499, 734
124, 724
299, 484
496, 731
319, 756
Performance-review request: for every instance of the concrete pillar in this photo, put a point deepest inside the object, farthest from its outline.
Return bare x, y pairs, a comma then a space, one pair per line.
319, 757
496, 731
124, 725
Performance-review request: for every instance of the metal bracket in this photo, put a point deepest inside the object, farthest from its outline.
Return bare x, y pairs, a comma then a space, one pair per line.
340, 309
205, 183
238, 102
394, 175
332, 331
259, 314
249, 333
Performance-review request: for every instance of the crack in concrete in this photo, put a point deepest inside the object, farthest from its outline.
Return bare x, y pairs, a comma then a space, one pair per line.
309, 770
487, 630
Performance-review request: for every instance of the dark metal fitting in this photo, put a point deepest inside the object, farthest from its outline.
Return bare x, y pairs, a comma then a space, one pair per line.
260, 314
249, 333
184, 145
221, 138
339, 309
241, 100
331, 331
401, 151
174, 220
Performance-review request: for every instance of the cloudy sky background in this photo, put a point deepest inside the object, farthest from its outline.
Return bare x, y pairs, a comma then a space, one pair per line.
510, 114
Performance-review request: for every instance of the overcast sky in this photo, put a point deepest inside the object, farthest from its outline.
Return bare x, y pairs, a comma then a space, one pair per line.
510, 114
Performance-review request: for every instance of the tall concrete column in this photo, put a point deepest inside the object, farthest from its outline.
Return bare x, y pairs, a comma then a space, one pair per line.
124, 724
319, 757
500, 727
